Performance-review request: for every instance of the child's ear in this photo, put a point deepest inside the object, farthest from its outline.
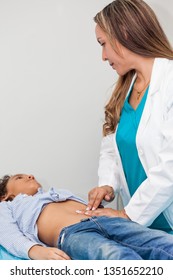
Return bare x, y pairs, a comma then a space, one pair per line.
7, 197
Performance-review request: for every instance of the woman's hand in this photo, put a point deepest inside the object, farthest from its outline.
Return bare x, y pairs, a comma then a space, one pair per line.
38, 252
96, 195
109, 212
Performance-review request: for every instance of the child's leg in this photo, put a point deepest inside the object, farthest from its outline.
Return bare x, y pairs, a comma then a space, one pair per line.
85, 241
148, 243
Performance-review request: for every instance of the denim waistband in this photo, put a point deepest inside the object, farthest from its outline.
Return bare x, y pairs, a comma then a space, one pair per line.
96, 222
72, 228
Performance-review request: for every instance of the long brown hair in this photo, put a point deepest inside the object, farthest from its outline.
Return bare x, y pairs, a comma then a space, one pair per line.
134, 24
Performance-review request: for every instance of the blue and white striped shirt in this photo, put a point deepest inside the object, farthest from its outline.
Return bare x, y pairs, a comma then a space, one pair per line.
18, 229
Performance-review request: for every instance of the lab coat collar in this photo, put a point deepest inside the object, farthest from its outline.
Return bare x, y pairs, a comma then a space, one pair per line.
158, 71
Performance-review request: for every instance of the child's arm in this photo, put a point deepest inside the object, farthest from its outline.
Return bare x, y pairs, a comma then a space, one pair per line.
11, 238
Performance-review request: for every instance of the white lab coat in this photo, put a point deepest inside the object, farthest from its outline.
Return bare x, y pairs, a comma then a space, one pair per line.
154, 142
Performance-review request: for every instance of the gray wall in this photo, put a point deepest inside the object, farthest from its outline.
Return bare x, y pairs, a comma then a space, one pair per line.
53, 87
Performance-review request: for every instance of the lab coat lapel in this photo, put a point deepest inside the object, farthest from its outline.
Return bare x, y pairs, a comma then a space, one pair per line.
156, 78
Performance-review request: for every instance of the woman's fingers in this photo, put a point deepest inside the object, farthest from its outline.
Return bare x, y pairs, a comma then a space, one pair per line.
96, 195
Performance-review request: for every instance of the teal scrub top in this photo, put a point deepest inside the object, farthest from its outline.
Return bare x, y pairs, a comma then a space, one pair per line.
126, 142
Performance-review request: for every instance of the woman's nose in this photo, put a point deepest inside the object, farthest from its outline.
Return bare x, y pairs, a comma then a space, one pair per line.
104, 57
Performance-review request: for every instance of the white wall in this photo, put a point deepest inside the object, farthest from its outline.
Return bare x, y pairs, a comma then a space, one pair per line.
53, 87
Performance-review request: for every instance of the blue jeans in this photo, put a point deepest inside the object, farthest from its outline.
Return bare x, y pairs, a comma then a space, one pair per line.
105, 238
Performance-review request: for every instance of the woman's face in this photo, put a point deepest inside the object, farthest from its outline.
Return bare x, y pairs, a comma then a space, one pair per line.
119, 58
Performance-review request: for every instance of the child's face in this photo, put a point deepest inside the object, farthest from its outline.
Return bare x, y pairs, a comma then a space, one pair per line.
22, 183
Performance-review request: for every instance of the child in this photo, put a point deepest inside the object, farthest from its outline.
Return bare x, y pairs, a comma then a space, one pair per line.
39, 225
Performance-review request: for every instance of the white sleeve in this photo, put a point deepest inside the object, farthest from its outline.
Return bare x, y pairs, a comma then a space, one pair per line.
107, 171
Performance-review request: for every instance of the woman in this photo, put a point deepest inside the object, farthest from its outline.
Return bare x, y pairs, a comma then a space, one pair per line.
136, 158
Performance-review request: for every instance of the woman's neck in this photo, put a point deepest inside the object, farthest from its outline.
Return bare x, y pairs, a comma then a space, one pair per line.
143, 71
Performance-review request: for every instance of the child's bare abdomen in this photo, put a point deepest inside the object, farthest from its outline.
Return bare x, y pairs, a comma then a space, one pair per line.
55, 216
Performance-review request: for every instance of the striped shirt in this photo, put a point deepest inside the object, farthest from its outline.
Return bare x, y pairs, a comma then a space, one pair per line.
18, 229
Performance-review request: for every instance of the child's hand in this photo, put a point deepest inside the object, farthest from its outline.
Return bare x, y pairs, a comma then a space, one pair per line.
47, 253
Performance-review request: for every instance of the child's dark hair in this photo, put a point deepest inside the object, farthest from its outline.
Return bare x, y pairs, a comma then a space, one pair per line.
3, 186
